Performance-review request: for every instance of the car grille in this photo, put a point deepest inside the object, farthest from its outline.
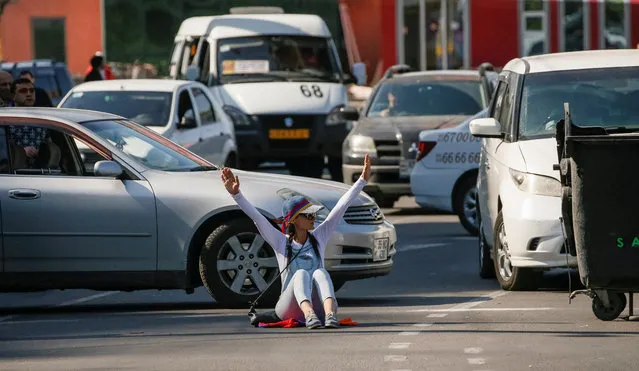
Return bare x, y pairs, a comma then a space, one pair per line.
388, 150
365, 214
310, 122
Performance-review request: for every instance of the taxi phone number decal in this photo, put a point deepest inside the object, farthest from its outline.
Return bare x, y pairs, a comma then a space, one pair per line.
458, 138
458, 157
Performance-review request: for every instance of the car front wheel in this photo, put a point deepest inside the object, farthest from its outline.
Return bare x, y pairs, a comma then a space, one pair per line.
236, 265
510, 278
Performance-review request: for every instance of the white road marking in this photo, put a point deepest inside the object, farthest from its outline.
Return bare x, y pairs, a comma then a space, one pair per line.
420, 246
399, 345
85, 299
38, 321
484, 310
438, 315
394, 358
6, 318
423, 324
476, 361
466, 305
473, 350
409, 333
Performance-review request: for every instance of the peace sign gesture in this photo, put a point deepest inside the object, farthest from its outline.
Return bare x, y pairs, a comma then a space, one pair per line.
231, 182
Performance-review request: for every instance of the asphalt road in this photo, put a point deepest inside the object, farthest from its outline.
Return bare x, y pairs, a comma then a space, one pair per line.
433, 312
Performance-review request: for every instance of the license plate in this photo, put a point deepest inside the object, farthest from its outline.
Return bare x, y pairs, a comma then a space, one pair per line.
406, 167
380, 249
288, 134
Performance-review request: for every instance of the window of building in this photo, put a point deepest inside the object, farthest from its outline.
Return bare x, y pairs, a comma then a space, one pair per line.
534, 27
574, 25
49, 38
615, 24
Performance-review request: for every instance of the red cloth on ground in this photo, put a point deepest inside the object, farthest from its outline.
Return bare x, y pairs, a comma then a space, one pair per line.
290, 323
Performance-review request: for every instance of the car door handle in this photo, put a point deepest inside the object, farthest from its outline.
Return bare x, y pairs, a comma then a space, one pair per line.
24, 194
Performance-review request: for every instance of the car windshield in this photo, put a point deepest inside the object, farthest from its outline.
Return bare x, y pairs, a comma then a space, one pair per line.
148, 108
605, 97
427, 98
146, 147
276, 58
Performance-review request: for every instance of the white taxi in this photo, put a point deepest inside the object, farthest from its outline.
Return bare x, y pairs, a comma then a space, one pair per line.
445, 172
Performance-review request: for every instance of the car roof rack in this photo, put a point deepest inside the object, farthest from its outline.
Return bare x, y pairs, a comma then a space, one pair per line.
256, 10
397, 69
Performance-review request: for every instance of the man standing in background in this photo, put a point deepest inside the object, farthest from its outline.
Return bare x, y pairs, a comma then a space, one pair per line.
107, 74
42, 99
6, 97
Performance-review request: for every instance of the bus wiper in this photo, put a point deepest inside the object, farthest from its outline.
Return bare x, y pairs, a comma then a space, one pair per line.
238, 78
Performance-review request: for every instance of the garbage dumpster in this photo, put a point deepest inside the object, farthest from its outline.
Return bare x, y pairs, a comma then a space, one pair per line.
600, 207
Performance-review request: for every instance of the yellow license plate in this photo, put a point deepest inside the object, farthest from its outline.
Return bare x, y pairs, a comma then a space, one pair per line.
288, 134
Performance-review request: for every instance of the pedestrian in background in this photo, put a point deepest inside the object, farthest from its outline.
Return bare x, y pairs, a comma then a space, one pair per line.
95, 74
42, 99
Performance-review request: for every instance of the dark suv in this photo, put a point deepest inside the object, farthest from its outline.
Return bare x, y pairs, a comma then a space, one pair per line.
52, 76
402, 104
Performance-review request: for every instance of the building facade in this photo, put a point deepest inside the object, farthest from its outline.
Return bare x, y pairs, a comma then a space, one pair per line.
376, 33
477, 31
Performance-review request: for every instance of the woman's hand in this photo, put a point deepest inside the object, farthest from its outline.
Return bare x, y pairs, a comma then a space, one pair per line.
231, 182
366, 172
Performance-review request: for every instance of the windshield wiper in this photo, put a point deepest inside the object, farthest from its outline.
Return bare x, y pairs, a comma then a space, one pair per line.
238, 78
203, 168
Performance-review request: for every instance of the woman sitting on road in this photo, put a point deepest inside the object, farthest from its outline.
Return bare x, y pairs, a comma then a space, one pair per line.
306, 281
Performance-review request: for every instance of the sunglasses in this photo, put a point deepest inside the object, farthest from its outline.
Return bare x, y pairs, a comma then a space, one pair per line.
308, 216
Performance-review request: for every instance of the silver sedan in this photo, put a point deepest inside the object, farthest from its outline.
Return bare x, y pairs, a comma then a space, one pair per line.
151, 214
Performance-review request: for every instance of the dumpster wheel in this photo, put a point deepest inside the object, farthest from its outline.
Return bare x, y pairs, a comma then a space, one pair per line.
617, 303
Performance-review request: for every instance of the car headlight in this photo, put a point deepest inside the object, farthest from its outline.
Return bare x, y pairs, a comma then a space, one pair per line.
238, 117
321, 215
334, 117
359, 146
536, 184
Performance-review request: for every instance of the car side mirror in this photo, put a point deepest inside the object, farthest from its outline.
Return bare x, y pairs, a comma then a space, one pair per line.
349, 113
109, 169
486, 128
192, 73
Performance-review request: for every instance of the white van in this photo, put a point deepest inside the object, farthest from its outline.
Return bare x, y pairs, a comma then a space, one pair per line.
280, 80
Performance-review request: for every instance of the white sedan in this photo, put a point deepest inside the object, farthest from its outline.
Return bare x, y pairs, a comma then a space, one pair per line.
185, 112
445, 173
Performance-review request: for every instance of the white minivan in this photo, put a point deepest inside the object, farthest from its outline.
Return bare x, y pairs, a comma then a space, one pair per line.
280, 80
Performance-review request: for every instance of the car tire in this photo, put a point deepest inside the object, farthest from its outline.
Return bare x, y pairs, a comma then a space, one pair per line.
228, 246
486, 265
510, 278
465, 205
